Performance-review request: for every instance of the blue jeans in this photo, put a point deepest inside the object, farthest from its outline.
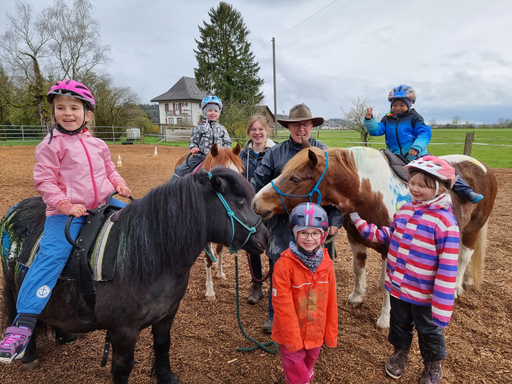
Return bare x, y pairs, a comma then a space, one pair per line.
404, 318
54, 251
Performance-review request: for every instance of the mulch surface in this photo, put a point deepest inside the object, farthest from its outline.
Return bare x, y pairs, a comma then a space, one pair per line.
205, 333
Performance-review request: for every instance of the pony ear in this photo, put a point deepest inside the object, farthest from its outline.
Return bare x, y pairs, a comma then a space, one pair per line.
312, 158
305, 143
214, 150
217, 184
237, 149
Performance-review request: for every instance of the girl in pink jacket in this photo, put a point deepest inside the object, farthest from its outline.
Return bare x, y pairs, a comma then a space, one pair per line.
73, 172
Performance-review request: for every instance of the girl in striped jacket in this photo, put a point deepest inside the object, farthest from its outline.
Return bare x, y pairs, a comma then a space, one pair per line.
421, 271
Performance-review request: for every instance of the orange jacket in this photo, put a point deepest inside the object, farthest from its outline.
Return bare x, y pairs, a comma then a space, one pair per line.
305, 306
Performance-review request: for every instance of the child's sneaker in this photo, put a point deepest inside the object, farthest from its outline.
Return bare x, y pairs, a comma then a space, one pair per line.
432, 373
14, 344
396, 364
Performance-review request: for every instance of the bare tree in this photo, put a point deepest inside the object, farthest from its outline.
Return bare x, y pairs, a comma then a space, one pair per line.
22, 47
456, 120
353, 119
61, 42
75, 38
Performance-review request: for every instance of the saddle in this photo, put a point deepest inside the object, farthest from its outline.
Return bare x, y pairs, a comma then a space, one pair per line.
86, 263
397, 163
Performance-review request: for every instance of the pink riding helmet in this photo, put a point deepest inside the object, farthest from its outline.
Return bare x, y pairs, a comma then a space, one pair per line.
72, 88
434, 166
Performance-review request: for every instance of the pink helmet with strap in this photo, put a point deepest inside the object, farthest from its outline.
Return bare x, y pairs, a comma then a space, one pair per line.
72, 88
438, 168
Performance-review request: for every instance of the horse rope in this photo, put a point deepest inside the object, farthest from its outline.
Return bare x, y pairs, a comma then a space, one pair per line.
257, 344
310, 194
264, 278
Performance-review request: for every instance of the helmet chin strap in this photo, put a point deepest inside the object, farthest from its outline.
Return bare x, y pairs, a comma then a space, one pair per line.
66, 132
437, 187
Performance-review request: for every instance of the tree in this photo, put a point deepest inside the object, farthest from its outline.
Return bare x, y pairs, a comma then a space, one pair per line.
354, 119
235, 115
75, 39
456, 120
117, 106
22, 47
61, 42
226, 64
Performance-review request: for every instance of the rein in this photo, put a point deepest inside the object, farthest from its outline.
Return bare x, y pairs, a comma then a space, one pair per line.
315, 188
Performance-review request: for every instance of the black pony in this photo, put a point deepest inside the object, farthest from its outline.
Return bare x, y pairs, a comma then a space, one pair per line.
157, 240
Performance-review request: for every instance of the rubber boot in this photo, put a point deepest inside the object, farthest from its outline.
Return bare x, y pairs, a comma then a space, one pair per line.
396, 363
461, 188
432, 373
256, 294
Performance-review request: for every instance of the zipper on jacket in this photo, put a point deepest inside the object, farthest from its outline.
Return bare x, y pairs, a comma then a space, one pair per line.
397, 138
92, 174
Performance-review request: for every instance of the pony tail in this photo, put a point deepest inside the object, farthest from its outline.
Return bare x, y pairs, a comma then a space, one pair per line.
478, 258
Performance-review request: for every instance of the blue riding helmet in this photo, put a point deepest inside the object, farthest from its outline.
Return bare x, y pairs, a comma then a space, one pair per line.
211, 100
309, 215
402, 92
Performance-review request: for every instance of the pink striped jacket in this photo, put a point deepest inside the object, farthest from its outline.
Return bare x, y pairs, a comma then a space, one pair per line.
423, 244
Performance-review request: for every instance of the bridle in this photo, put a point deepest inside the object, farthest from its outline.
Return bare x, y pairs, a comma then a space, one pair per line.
233, 217
315, 188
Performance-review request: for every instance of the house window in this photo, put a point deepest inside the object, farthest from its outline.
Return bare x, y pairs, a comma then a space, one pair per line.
171, 120
177, 108
166, 107
179, 120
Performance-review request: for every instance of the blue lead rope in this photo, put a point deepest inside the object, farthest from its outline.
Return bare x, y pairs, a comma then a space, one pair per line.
310, 194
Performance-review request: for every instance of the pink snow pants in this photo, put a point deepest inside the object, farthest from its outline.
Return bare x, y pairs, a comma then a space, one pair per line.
298, 366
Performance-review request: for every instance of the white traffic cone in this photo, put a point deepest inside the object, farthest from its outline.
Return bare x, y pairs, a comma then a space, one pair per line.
156, 153
119, 162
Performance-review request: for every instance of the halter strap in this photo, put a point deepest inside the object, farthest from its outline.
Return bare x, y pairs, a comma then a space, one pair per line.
232, 216
310, 194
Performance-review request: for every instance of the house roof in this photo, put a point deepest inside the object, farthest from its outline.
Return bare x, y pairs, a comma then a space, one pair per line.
185, 89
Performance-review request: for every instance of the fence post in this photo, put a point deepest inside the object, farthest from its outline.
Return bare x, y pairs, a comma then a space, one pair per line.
22, 133
469, 143
114, 134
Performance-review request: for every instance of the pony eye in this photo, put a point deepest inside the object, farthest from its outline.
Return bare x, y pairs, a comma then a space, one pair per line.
295, 179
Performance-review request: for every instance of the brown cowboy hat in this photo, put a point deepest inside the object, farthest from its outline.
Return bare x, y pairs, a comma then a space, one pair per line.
301, 112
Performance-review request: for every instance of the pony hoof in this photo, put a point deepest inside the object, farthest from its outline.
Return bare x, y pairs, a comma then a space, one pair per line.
383, 323
30, 366
222, 277
210, 298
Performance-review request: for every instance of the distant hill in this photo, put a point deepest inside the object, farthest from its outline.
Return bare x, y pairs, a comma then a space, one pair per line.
152, 110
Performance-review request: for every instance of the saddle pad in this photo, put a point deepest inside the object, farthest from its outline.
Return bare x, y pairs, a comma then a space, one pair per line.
396, 164
103, 267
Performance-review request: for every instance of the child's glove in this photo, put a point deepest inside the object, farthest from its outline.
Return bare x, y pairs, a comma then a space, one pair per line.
354, 216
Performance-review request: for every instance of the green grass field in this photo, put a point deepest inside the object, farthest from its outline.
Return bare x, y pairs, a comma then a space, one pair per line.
496, 153
491, 146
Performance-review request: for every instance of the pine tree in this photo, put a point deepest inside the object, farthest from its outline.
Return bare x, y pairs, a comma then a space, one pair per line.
226, 64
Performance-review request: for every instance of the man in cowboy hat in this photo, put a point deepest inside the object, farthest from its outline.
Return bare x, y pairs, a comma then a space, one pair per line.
300, 123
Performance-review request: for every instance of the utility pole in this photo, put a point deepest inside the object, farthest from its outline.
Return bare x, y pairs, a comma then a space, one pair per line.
275, 94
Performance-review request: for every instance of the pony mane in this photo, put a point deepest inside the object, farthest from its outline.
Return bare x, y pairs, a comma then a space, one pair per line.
225, 157
300, 161
160, 226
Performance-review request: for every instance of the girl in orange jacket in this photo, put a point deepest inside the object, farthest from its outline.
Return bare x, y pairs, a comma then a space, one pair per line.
304, 296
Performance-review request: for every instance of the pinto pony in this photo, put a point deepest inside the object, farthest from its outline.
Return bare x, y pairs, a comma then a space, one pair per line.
360, 180
155, 241
226, 157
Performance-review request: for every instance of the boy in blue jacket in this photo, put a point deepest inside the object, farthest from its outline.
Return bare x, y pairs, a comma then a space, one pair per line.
407, 135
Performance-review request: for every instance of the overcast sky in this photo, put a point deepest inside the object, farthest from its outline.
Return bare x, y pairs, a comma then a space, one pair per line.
455, 53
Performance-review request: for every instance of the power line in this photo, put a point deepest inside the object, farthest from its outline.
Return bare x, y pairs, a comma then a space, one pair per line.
306, 19
295, 26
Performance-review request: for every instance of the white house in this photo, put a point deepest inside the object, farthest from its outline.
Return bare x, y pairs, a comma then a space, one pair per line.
180, 105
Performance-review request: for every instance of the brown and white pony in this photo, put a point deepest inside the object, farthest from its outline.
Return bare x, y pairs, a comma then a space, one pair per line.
225, 157
359, 179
